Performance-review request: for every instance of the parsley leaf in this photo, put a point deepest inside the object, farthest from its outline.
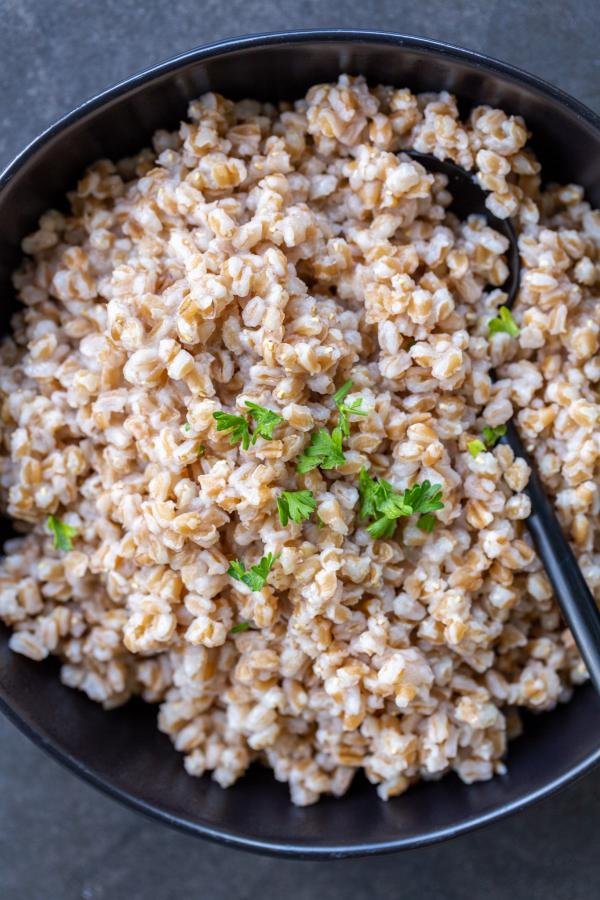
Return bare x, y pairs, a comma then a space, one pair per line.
266, 420
237, 425
424, 498
426, 522
187, 427
62, 533
367, 489
503, 322
256, 577
382, 527
377, 496
379, 501
491, 436
394, 506
236, 569
241, 626
324, 450
347, 409
200, 450
475, 448
295, 505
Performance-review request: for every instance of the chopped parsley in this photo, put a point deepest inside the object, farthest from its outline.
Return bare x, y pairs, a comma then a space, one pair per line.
239, 426
241, 626
476, 447
382, 528
424, 497
379, 501
256, 577
503, 322
426, 522
187, 427
372, 492
61, 532
491, 436
200, 450
295, 505
346, 409
324, 450
266, 420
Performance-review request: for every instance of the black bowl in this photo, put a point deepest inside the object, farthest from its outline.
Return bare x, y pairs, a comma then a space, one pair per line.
121, 751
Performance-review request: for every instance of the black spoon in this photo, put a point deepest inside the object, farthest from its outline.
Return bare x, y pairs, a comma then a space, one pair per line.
574, 597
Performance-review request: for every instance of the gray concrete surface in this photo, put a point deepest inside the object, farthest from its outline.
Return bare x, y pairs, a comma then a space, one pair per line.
59, 838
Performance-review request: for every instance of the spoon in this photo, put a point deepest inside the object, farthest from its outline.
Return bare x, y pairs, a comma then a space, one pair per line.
574, 596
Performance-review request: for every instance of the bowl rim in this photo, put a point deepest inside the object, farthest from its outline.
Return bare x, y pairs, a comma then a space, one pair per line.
287, 849
269, 38
137, 80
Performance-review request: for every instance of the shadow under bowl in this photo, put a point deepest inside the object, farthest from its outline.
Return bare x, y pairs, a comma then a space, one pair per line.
122, 751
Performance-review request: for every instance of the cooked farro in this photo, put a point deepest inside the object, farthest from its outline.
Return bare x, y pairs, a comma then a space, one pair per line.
269, 254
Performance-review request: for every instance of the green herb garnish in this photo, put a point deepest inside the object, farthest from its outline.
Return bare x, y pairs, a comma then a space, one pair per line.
379, 501
61, 532
503, 322
426, 522
347, 409
266, 420
237, 425
424, 497
371, 491
187, 427
383, 527
475, 448
490, 435
295, 505
241, 626
324, 450
256, 577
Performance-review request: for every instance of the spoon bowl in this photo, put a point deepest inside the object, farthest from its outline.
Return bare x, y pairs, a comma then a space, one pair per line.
468, 199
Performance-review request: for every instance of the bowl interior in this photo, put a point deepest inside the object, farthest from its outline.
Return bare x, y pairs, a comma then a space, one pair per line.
121, 750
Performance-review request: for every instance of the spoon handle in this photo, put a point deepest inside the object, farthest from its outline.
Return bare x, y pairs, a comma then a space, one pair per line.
575, 598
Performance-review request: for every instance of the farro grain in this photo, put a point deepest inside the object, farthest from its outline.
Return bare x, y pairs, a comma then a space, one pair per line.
269, 255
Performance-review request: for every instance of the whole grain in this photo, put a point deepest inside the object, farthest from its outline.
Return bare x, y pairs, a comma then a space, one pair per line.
269, 254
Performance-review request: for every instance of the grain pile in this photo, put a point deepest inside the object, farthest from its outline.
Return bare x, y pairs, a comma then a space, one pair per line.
269, 255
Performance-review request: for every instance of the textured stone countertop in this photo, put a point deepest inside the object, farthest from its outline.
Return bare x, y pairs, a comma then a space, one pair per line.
59, 838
